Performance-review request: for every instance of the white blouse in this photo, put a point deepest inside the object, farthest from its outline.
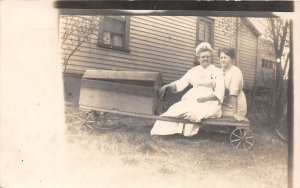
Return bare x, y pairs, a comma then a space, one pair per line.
205, 81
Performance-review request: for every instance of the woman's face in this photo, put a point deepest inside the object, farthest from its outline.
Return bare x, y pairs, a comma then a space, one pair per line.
225, 60
205, 58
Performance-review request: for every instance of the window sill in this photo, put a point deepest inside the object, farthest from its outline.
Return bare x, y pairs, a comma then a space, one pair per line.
113, 47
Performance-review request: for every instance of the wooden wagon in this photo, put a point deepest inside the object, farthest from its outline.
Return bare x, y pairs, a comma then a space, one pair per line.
132, 93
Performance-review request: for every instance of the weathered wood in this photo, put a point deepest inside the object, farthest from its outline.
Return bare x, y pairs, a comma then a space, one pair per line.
154, 45
119, 87
167, 53
247, 55
120, 75
223, 121
116, 100
129, 91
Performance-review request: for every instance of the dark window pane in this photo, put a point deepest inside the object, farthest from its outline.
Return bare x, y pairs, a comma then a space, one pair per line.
204, 31
201, 31
207, 32
113, 25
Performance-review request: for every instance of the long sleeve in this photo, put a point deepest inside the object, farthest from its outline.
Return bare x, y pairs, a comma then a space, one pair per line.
183, 82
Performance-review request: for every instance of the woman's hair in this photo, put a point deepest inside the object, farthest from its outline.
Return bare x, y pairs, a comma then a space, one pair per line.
228, 51
203, 47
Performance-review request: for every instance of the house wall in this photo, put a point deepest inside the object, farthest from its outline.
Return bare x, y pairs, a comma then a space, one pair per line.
265, 76
166, 44
225, 34
157, 43
247, 54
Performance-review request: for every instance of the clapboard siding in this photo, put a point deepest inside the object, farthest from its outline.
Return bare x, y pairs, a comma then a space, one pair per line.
160, 32
140, 54
164, 44
247, 54
265, 76
141, 63
186, 20
76, 67
154, 46
116, 64
221, 38
166, 24
139, 45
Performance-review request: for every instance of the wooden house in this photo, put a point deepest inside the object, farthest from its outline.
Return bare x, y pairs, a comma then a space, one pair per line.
266, 64
163, 44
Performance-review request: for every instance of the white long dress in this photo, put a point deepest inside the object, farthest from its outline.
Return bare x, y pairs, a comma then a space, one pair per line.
205, 81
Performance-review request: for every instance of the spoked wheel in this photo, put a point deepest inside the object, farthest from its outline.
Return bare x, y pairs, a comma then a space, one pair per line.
84, 121
242, 139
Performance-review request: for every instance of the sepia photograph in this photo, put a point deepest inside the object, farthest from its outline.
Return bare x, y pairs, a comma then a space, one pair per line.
125, 95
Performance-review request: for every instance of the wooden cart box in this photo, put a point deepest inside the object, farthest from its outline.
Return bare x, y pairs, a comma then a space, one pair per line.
124, 91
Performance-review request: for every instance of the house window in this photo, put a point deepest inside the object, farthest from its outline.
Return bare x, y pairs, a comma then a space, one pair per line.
205, 30
114, 32
267, 64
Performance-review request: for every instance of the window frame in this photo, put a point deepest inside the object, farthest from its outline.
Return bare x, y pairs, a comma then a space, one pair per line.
125, 47
267, 64
206, 20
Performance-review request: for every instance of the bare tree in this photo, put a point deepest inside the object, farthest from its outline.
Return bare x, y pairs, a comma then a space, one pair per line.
279, 31
77, 31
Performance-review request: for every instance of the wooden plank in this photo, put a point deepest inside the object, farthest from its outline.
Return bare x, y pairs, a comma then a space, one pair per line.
162, 51
116, 101
119, 87
122, 75
140, 50
246, 65
138, 27
163, 43
191, 24
186, 20
73, 69
173, 37
76, 65
171, 27
167, 51
225, 121
152, 55
92, 63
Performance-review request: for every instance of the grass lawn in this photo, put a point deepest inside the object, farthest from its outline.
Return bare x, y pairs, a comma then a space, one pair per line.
125, 155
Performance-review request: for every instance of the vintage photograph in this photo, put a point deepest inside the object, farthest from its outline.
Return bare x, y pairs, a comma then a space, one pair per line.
179, 101
147, 95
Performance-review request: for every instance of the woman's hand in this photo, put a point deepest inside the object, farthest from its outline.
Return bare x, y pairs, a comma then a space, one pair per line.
239, 118
162, 90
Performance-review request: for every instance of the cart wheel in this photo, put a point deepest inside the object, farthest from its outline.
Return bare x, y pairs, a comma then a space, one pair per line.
242, 139
84, 121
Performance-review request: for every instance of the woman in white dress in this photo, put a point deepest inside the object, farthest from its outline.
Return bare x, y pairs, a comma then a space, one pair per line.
202, 101
234, 103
